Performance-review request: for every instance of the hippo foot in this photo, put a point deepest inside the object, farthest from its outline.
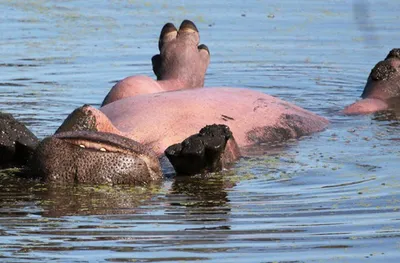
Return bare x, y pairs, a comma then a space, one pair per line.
181, 64
382, 90
181, 57
17, 143
211, 150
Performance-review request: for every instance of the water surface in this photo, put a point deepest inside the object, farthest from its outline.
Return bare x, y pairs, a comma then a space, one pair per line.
329, 197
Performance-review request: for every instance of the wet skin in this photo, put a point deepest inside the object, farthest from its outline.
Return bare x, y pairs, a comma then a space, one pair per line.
382, 90
17, 143
95, 157
171, 110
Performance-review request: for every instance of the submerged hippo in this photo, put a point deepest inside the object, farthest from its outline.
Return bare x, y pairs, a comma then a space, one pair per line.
382, 90
199, 129
17, 143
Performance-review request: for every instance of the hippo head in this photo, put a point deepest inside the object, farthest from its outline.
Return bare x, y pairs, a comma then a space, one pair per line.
384, 80
94, 157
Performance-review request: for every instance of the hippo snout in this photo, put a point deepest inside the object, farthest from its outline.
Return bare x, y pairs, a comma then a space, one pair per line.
94, 157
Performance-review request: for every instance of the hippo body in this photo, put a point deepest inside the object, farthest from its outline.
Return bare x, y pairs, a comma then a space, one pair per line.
165, 115
382, 89
161, 119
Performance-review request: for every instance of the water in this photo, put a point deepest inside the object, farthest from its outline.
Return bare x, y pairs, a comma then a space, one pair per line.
329, 197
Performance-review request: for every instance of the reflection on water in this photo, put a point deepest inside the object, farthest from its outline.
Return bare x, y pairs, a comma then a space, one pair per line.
329, 197
392, 116
362, 16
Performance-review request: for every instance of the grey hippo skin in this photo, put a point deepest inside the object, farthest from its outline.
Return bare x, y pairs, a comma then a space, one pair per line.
382, 91
94, 157
17, 143
141, 120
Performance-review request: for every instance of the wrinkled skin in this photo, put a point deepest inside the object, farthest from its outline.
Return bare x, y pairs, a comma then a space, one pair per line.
95, 157
382, 90
17, 143
169, 111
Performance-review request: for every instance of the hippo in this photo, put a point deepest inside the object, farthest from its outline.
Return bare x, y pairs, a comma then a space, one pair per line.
141, 120
17, 142
382, 88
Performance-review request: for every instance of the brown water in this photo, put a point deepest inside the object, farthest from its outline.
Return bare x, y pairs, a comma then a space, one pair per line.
330, 197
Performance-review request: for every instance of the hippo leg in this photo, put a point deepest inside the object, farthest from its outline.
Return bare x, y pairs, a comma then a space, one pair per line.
181, 64
181, 57
382, 87
210, 150
366, 106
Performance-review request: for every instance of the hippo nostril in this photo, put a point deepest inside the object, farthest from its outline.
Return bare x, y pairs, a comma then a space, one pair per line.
94, 157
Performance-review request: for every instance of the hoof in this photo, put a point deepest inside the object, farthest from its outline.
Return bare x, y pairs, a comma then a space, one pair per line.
168, 33
188, 26
211, 150
205, 48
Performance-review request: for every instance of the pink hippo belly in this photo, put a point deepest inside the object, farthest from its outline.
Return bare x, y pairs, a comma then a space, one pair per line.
162, 119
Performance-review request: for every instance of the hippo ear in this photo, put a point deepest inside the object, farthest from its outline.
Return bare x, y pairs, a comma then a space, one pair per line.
156, 61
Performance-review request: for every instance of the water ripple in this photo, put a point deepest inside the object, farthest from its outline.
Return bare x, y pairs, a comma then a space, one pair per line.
329, 197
